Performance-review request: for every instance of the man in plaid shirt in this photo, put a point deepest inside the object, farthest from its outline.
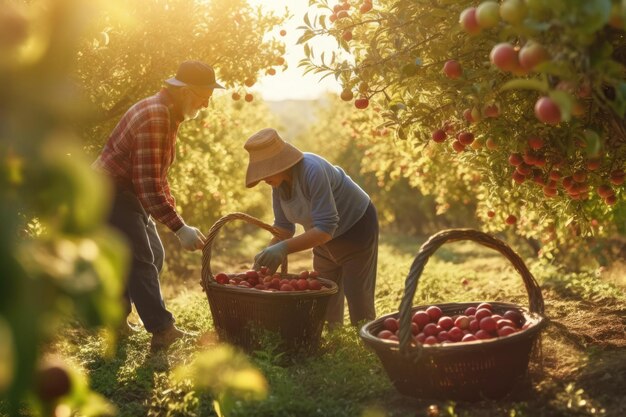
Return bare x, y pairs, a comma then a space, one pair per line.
137, 157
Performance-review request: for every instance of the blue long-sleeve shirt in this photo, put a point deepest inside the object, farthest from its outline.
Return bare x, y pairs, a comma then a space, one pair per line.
322, 195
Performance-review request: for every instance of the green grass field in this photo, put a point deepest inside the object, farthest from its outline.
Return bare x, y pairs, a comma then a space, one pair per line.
581, 371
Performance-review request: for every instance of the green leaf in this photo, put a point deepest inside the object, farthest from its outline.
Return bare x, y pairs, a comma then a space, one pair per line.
525, 84
594, 15
593, 142
561, 69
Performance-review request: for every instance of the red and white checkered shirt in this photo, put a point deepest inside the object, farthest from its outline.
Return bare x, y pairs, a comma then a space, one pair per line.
139, 153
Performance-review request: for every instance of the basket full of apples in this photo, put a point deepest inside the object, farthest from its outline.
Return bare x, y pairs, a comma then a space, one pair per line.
246, 305
458, 351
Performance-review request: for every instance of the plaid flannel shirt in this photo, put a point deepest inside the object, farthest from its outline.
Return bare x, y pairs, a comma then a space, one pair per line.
139, 153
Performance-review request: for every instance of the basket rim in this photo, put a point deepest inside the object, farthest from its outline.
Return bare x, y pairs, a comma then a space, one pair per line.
325, 291
381, 344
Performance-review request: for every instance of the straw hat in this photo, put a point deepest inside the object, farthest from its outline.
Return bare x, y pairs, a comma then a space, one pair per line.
269, 155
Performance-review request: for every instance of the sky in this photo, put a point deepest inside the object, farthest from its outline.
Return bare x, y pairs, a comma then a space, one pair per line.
291, 83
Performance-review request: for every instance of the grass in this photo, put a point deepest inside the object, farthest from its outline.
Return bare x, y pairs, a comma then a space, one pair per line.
581, 372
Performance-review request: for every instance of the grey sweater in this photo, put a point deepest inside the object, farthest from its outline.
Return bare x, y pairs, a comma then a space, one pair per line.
322, 196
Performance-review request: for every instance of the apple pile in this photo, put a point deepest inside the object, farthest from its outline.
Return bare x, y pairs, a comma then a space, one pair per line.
431, 326
264, 281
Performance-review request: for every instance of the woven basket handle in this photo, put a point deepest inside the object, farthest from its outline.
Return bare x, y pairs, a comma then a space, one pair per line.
207, 274
535, 299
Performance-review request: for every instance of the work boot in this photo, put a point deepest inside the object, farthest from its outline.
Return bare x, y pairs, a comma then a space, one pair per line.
164, 338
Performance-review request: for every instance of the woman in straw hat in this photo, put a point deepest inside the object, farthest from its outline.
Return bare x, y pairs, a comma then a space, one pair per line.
339, 220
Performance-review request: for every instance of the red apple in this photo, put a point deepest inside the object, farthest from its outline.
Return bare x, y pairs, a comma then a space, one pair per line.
470, 311
469, 338
531, 55
361, 103
315, 284
434, 312
286, 287
430, 340
515, 159
488, 324
482, 313
420, 337
384, 334
421, 318
391, 324
445, 322
365, 7
504, 322
458, 146
466, 138
302, 284
482, 334
455, 334
462, 322
474, 326
468, 21
504, 56
222, 278
505, 331
511, 219
547, 111
439, 135
452, 69
430, 329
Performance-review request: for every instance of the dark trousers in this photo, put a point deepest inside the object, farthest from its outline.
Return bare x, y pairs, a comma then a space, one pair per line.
142, 285
350, 260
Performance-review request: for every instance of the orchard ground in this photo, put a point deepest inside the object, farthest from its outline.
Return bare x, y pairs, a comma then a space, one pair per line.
582, 369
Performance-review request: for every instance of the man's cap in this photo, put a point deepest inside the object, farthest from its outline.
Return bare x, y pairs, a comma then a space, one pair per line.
194, 74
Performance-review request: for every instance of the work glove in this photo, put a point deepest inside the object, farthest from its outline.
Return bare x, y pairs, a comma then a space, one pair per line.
190, 238
271, 257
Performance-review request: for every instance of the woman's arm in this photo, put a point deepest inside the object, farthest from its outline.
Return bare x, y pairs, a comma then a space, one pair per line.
307, 240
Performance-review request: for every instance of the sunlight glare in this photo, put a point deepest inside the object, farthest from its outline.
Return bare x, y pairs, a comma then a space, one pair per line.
292, 84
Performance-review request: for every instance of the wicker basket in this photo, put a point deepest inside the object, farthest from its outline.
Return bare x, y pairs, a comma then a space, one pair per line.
459, 371
242, 315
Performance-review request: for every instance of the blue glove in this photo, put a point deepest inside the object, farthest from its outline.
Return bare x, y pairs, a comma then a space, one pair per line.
271, 257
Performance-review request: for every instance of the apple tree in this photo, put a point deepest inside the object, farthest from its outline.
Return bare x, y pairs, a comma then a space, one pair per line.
131, 47
522, 101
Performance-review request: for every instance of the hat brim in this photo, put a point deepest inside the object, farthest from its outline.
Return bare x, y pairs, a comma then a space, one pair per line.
178, 83
285, 159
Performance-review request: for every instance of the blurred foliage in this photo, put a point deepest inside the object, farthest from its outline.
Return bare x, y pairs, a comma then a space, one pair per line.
392, 57
227, 374
77, 66
57, 259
